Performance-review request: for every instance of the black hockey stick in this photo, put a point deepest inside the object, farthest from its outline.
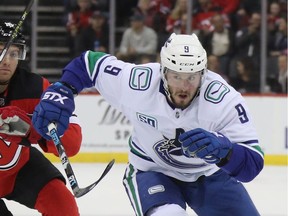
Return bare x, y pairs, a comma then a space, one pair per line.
16, 30
78, 192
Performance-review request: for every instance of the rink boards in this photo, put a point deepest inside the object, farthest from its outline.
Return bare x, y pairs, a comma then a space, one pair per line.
106, 131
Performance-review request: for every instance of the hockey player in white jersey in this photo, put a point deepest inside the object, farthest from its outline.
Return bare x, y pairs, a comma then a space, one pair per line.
193, 140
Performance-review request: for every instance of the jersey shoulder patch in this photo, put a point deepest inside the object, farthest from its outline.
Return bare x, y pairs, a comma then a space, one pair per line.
216, 91
140, 78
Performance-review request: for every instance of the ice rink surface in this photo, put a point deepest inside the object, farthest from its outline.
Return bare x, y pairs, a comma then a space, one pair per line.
269, 191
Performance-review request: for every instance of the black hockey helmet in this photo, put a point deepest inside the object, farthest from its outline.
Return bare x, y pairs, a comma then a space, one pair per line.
6, 31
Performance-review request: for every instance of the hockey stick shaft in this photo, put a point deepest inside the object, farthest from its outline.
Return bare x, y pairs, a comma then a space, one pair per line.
16, 30
78, 192
64, 158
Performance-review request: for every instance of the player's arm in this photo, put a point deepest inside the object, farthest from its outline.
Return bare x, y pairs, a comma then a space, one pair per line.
234, 148
246, 159
82, 71
57, 101
15, 127
244, 162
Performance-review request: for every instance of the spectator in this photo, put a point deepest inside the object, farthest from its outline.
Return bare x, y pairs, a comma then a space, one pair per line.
137, 40
78, 19
154, 11
213, 64
143, 8
100, 5
155, 14
162, 9
220, 42
180, 26
69, 5
277, 81
245, 9
226, 6
277, 44
247, 43
248, 79
203, 14
283, 72
248, 38
124, 11
274, 14
283, 8
174, 19
95, 37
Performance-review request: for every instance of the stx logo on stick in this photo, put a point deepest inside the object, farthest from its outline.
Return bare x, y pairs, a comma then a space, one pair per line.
55, 97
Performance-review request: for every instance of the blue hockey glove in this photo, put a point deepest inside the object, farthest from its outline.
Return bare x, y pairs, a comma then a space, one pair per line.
56, 105
199, 143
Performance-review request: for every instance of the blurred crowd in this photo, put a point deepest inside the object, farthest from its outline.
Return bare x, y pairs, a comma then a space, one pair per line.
228, 29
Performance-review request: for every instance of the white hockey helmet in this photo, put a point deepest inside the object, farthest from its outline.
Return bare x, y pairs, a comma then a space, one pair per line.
183, 53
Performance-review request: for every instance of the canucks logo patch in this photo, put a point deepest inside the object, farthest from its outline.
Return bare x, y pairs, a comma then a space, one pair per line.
140, 78
169, 151
216, 91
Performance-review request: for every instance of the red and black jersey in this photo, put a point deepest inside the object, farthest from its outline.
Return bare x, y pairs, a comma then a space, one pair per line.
24, 91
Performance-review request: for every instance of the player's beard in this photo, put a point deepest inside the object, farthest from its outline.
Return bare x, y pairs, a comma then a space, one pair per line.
181, 99
3, 82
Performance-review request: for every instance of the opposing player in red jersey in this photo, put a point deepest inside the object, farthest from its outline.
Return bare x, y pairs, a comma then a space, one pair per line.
26, 175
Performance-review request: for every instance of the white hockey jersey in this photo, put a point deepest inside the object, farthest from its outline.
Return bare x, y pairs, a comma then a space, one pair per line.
137, 91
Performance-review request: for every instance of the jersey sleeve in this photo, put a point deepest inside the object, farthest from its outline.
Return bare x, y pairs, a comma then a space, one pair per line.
110, 76
46, 83
82, 71
231, 117
247, 158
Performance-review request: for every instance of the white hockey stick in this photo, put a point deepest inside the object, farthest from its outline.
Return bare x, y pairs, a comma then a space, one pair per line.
16, 30
77, 191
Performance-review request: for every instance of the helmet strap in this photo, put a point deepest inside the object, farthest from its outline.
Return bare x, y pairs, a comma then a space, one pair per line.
166, 88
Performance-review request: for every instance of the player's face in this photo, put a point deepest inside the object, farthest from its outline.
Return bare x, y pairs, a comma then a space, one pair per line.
182, 87
9, 63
